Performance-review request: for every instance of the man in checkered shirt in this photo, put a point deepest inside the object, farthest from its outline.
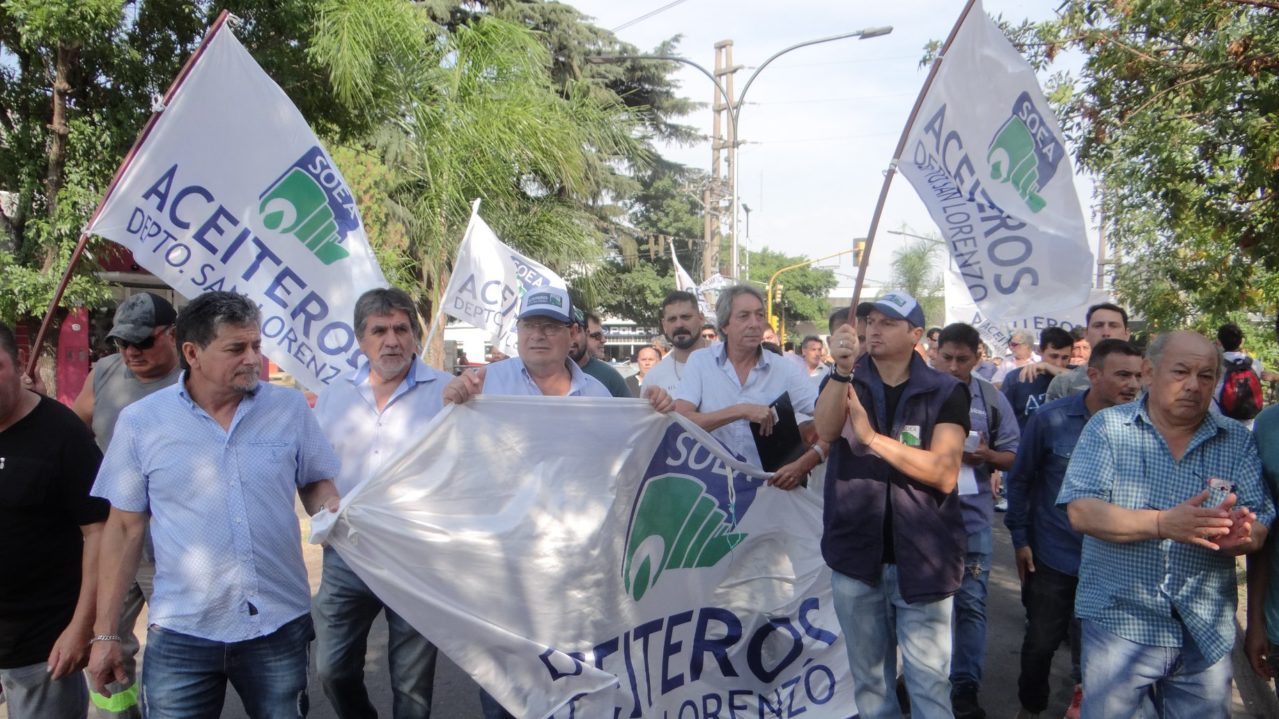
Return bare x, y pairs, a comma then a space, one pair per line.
1166, 494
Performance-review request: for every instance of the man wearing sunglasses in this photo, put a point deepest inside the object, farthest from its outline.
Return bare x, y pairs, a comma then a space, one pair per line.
147, 361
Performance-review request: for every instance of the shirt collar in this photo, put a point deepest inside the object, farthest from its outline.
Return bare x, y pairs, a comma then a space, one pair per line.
416, 374
721, 355
576, 378
1211, 424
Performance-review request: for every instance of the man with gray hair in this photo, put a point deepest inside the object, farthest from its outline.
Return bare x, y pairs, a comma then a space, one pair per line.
212, 464
729, 386
1166, 494
369, 416
1022, 345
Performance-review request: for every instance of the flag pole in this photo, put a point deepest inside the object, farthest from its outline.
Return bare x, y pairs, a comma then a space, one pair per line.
901, 147
83, 242
439, 310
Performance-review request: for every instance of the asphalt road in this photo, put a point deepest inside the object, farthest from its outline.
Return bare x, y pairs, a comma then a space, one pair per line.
456, 695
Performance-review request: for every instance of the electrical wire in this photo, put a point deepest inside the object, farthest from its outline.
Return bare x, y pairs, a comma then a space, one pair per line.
646, 15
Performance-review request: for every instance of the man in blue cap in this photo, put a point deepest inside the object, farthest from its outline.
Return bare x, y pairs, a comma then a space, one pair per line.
894, 535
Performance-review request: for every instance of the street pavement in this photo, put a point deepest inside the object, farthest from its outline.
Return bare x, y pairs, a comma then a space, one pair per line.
457, 696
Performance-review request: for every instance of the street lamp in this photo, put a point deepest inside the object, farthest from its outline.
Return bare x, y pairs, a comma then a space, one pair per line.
735, 109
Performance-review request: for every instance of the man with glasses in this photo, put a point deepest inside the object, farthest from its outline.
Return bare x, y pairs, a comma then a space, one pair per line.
586, 334
709, 333
147, 362
1022, 347
546, 328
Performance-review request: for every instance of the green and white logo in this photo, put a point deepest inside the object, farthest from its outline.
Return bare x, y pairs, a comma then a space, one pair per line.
1025, 152
311, 202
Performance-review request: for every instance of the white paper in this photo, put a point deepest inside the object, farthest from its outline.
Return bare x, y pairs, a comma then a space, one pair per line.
967, 480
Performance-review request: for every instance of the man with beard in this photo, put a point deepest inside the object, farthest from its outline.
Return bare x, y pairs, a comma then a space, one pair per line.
681, 324
369, 417
585, 332
213, 462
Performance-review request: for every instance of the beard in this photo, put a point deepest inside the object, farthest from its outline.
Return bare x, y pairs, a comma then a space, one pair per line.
684, 339
577, 352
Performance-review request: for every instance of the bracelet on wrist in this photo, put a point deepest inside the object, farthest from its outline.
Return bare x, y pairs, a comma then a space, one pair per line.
816, 447
104, 638
838, 376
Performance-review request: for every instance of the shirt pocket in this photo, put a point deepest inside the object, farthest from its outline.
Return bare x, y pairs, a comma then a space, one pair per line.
24, 482
268, 459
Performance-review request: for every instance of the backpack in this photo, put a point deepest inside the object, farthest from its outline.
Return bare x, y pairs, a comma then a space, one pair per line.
989, 398
1240, 390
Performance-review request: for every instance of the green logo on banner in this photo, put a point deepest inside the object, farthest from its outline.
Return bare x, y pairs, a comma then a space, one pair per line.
312, 203
1025, 152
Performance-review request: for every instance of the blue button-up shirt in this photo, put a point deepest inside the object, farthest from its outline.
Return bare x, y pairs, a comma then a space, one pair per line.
365, 438
228, 550
1138, 590
1033, 517
710, 384
511, 378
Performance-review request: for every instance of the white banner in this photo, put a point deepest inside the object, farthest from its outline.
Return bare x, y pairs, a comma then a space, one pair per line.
997, 331
231, 190
987, 157
488, 281
684, 283
661, 578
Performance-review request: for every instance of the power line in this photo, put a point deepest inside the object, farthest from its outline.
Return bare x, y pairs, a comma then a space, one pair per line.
646, 15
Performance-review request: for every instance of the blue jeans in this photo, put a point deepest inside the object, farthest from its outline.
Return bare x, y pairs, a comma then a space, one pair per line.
876, 621
184, 677
970, 625
1119, 677
1049, 598
344, 611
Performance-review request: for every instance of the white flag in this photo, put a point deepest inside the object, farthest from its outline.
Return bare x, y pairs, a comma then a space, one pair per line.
488, 281
987, 157
659, 576
998, 330
230, 190
684, 283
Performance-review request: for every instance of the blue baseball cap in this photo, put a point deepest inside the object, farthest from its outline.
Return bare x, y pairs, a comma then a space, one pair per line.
901, 306
552, 302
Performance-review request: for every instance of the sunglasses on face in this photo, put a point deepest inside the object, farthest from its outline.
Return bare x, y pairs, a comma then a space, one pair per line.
597, 336
143, 346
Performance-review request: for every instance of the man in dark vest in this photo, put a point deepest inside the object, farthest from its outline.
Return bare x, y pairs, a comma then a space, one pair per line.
893, 536
147, 361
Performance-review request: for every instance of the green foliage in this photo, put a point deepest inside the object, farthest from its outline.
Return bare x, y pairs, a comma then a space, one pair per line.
804, 289
1175, 111
915, 271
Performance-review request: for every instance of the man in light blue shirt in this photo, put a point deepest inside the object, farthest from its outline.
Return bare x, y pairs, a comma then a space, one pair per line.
1166, 493
370, 416
213, 463
728, 386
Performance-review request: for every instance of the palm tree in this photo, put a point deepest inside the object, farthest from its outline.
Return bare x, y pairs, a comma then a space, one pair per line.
915, 273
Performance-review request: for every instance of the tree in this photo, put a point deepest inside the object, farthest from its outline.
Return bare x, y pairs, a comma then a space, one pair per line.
804, 289
914, 272
1175, 112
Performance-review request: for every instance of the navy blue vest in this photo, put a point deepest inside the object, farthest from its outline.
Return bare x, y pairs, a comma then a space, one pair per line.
928, 528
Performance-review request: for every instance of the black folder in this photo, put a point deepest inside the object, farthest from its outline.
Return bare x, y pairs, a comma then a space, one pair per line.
785, 444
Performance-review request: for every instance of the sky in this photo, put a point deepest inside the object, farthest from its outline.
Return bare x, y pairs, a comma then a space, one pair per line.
820, 123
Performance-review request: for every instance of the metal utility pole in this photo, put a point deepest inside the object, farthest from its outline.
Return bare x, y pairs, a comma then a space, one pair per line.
723, 157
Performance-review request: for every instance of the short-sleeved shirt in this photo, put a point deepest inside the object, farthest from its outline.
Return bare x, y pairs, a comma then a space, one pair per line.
510, 377
710, 384
47, 463
1266, 431
665, 374
1026, 397
116, 387
1010, 366
609, 377
979, 509
1147, 591
365, 438
228, 549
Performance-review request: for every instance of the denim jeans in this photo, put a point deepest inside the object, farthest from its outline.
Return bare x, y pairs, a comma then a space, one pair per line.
970, 624
1049, 598
1120, 675
875, 622
185, 677
345, 609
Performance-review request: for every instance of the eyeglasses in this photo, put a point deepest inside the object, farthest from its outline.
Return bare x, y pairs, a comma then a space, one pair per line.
597, 336
549, 329
709, 335
142, 346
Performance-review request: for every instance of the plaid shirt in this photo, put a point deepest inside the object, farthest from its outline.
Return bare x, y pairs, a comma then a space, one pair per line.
1147, 591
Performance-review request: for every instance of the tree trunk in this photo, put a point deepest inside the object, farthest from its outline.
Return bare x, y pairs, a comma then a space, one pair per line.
55, 176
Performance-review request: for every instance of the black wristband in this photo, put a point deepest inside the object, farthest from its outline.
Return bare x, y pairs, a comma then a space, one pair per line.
835, 375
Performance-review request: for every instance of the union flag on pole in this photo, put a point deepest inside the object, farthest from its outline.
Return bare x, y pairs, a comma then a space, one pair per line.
229, 189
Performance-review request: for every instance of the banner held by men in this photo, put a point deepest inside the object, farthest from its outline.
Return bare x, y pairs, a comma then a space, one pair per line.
231, 190
661, 578
988, 159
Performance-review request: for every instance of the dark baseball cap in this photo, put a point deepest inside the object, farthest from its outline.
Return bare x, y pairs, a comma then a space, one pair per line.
137, 317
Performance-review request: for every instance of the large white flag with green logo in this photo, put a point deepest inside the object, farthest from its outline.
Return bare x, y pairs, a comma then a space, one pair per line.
230, 190
586, 557
987, 157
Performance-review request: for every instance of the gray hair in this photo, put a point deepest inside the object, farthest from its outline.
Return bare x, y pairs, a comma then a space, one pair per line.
1025, 337
724, 305
198, 322
384, 301
1155, 350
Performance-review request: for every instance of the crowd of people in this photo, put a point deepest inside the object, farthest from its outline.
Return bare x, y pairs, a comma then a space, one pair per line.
1132, 479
